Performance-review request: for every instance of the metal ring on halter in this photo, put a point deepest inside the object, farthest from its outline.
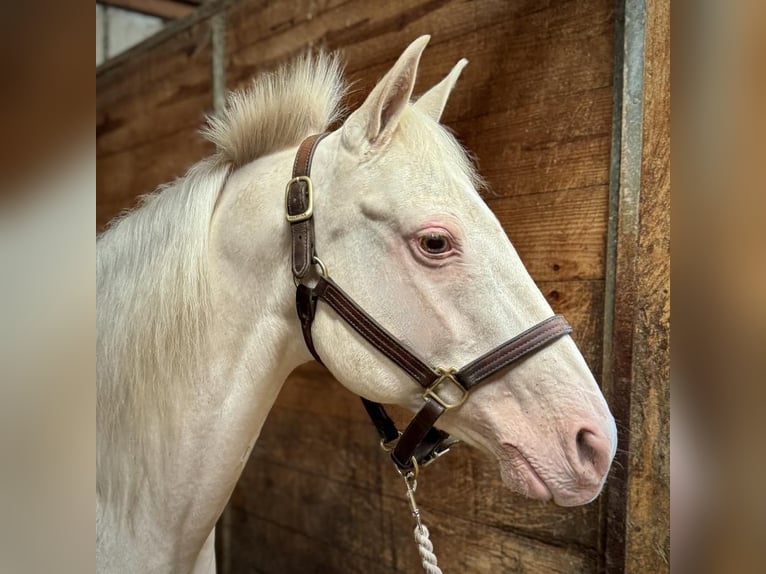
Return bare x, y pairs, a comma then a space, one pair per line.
322, 270
409, 473
390, 445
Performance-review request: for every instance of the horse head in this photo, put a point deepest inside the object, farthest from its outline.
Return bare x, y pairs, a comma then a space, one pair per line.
401, 224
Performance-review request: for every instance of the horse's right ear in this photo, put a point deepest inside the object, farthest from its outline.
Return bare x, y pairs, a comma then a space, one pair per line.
372, 125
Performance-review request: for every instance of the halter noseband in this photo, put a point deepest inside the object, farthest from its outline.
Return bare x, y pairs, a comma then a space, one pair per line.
420, 443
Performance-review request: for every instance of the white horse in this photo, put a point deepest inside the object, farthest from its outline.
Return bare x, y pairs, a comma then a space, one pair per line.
197, 329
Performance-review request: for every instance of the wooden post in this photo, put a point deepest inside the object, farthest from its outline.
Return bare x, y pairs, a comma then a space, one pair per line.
637, 312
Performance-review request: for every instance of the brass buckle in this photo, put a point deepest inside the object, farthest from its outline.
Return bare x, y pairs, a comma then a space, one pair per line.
309, 211
444, 376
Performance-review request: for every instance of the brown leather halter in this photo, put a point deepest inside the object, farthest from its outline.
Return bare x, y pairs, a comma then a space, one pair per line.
420, 443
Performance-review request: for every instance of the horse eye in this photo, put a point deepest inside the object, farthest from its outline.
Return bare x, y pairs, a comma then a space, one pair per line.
434, 243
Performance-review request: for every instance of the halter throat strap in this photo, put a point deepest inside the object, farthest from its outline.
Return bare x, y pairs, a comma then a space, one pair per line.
420, 442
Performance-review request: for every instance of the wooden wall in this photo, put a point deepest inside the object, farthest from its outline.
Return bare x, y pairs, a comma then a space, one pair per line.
536, 106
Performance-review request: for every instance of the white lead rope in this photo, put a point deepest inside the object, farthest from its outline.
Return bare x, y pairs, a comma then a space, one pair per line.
425, 547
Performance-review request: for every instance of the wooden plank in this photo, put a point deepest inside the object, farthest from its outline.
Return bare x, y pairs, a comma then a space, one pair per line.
558, 146
582, 303
264, 547
559, 236
371, 37
314, 504
161, 8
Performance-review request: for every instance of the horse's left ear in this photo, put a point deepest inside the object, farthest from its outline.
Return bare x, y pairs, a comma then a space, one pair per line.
434, 100
376, 119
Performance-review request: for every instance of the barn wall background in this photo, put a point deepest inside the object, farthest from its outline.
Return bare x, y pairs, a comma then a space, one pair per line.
570, 129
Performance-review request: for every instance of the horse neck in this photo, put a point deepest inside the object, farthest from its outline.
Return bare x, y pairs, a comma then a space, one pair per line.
255, 343
255, 336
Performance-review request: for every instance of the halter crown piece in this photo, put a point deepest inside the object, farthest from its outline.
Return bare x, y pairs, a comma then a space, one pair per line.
421, 442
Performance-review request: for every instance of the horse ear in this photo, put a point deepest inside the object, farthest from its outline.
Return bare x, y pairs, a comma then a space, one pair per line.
434, 100
375, 120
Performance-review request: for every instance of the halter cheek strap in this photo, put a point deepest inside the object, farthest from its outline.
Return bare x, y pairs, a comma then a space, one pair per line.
299, 207
421, 442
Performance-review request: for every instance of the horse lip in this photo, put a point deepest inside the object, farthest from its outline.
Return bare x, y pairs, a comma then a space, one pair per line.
536, 486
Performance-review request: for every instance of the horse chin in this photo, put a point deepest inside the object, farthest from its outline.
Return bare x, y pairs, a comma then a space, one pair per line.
520, 476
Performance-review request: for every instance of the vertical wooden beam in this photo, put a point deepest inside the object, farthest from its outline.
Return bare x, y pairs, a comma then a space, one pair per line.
637, 330
218, 33
622, 247
647, 536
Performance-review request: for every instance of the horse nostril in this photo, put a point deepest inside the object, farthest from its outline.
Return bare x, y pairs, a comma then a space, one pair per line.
584, 449
593, 455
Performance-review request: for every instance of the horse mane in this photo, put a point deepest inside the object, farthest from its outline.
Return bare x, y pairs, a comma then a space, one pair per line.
278, 110
153, 300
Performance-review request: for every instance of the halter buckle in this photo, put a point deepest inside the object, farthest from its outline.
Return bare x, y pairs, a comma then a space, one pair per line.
309, 211
446, 375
